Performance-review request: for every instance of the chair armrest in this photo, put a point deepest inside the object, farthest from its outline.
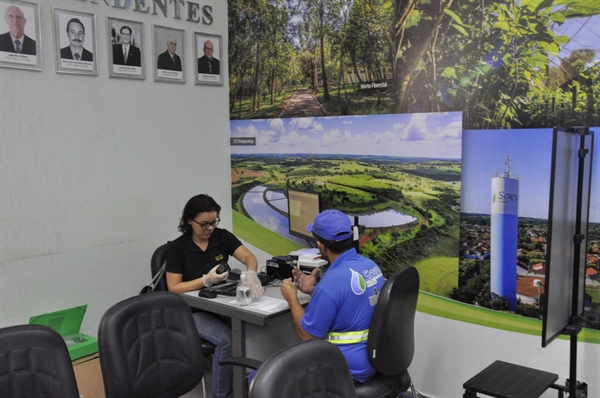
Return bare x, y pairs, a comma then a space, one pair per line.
240, 361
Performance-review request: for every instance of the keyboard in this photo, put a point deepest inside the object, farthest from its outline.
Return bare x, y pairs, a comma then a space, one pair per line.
262, 277
226, 289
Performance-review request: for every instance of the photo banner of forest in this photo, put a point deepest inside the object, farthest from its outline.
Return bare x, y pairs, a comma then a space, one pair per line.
504, 64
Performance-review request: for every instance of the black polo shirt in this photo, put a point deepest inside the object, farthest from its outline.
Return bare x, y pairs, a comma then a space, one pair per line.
186, 258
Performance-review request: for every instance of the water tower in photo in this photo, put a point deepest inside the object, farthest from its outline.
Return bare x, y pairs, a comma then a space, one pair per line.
504, 235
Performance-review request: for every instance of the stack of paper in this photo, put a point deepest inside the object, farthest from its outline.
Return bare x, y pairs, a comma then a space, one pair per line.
309, 251
311, 262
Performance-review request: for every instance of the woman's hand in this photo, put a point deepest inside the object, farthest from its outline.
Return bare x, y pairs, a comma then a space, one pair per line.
256, 288
212, 277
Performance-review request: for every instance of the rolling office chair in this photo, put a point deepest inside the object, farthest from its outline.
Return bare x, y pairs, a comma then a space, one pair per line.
156, 262
313, 368
391, 341
149, 347
35, 363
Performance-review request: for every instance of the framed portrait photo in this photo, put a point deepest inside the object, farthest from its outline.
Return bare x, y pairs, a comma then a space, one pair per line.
20, 40
125, 43
169, 57
75, 38
208, 55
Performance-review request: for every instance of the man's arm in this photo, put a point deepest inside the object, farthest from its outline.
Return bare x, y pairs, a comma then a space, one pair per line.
290, 294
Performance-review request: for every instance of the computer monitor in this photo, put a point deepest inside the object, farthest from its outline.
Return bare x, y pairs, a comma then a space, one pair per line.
303, 207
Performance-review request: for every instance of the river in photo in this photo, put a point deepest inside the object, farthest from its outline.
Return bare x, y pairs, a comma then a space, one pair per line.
259, 205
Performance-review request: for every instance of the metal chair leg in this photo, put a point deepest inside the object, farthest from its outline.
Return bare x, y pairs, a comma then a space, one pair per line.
414, 392
203, 388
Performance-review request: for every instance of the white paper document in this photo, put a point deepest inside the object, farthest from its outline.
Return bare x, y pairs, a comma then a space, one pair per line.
265, 304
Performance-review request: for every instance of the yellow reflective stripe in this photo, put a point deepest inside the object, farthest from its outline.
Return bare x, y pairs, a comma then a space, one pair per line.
347, 337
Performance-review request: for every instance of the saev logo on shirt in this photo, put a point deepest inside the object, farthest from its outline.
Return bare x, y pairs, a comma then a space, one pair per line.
219, 258
357, 283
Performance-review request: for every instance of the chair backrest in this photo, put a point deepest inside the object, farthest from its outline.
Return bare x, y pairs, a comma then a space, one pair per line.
313, 368
391, 342
149, 347
158, 259
35, 363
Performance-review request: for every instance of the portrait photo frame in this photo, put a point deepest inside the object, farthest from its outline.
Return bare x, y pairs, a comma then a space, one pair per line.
76, 42
208, 67
125, 49
25, 23
168, 61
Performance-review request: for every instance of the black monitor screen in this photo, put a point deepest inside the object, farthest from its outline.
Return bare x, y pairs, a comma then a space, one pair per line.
303, 207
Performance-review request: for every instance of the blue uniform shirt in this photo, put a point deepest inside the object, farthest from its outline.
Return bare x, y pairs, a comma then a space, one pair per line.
344, 301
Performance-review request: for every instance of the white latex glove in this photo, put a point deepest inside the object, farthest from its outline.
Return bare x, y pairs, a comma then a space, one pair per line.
256, 288
212, 277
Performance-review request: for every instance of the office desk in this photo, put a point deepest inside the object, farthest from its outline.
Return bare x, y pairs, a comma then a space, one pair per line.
255, 333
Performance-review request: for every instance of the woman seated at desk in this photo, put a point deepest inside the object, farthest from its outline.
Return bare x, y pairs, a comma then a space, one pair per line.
192, 262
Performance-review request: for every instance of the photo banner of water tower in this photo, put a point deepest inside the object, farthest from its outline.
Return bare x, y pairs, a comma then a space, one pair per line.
504, 235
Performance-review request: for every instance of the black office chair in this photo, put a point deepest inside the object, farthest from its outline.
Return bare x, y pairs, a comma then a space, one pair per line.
156, 262
313, 368
149, 347
391, 342
35, 363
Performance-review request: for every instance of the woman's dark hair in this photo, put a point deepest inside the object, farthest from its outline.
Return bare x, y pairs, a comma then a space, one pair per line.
198, 204
336, 247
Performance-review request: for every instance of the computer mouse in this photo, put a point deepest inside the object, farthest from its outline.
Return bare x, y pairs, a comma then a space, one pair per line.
223, 267
207, 293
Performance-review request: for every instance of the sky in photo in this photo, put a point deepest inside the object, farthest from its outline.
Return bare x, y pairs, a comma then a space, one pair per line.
530, 152
430, 135
583, 33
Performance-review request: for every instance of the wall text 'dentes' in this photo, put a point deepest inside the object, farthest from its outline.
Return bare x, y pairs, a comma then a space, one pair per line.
176, 9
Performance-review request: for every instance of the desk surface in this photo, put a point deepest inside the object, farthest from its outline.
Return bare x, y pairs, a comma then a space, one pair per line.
270, 305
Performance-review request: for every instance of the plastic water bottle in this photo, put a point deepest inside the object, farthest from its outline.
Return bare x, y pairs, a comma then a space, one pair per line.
242, 293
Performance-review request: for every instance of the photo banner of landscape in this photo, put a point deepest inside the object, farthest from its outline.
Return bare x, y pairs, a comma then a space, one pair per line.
399, 174
504, 64
528, 155
350, 160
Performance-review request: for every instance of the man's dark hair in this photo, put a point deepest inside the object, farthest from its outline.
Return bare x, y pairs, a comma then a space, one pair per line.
198, 204
75, 20
126, 27
336, 247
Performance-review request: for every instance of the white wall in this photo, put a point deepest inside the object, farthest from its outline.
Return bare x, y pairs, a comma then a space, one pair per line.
95, 171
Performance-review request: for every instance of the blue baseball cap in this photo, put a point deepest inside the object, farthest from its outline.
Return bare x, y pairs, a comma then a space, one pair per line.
331, 225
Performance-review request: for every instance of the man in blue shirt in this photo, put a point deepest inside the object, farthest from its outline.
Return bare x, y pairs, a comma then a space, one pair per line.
343, 301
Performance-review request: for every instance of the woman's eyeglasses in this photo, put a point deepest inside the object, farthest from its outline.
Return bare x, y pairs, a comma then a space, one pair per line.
207, 225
